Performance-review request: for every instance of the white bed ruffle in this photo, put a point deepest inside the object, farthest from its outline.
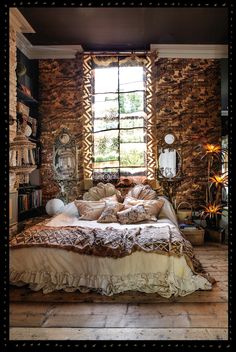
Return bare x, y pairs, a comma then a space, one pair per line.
52, 269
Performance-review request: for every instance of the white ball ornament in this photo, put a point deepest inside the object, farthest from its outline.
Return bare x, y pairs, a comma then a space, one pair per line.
28, 131
54, 206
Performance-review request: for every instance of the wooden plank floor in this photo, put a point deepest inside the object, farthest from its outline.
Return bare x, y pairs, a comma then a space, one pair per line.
131, 316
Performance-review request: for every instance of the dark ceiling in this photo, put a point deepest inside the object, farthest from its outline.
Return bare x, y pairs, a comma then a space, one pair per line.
126, 28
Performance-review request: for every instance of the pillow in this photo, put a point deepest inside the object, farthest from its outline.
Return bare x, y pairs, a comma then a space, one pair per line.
109, 214
110, 199
90, 210
102, 190
152, 206
142, 192
134, 214
71, 209
167, 211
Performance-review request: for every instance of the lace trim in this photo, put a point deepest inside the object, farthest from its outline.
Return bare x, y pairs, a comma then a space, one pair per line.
165, 285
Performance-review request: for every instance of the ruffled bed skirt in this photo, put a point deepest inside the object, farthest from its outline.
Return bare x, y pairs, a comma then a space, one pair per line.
165, 285
51, 269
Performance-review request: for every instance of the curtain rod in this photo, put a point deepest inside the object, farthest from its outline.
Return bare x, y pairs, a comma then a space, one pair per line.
115, 53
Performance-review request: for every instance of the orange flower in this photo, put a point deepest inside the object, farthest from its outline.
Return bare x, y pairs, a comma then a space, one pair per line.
211, 148
219, 180
211, 210
214, 151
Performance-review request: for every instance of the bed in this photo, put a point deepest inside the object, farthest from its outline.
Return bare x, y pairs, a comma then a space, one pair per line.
73, 252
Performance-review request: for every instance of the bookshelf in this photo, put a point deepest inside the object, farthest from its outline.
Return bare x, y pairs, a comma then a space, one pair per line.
29, 195
29, 202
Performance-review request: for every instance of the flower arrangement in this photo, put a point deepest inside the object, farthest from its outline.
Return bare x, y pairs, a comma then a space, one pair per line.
216, 183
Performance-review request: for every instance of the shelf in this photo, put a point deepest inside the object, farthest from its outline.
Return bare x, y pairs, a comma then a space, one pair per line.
29, 187
32, 209
33, 212
25, 98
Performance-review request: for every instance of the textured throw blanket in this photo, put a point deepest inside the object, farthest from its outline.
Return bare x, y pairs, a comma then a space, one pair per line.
110, 242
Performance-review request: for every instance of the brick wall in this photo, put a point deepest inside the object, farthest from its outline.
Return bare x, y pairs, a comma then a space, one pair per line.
188, 102
60, 97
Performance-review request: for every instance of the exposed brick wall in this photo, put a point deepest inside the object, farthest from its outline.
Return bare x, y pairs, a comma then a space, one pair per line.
60, 98
188, 101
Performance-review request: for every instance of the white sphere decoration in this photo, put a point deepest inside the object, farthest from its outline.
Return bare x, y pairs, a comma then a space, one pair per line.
54, 206
28, 130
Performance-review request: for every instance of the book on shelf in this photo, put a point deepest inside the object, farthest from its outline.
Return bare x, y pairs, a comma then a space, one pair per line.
29, 199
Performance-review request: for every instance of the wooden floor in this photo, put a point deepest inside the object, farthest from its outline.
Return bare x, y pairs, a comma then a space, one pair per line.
202, 315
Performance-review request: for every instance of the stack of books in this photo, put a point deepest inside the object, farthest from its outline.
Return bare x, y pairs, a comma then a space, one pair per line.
29, 200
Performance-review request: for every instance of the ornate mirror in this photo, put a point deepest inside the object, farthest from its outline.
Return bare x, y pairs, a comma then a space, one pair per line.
64, 156
169, 157
169, 164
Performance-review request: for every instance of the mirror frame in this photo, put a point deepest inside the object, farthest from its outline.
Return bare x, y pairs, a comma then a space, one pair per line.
59, 144
173, 146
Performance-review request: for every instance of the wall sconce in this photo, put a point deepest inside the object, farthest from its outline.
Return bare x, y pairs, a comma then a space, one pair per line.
22, 161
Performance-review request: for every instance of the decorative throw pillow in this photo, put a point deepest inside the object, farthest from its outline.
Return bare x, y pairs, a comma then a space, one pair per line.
110, 198
134, 214
90, 210
102, 190
142, 192
109, 214
152, 206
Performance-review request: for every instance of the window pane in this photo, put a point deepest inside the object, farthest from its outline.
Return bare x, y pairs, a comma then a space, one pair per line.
106, 80
137, 120
132, 154
136, 135
131, 102
105, 105
105, 124
131, 78
106, 149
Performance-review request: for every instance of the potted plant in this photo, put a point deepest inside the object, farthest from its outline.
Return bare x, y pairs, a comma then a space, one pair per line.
216, 183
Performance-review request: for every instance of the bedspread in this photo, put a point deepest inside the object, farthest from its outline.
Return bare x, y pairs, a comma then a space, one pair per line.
111, 242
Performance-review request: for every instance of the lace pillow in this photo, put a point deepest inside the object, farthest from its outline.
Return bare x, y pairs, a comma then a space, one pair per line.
109, 214
152, 206
134, 214
102, 190
110, 199
90, 210
142, 192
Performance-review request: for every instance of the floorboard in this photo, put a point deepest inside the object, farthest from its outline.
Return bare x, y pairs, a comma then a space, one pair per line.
117, 334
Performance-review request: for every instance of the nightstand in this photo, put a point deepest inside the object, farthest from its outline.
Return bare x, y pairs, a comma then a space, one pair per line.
195, 236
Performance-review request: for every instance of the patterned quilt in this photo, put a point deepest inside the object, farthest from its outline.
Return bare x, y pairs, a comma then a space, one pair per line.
111, 242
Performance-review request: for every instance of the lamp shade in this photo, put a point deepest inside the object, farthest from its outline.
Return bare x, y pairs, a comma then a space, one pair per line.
54, 206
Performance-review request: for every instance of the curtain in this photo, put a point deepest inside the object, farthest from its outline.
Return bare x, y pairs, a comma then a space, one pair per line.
111, 132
